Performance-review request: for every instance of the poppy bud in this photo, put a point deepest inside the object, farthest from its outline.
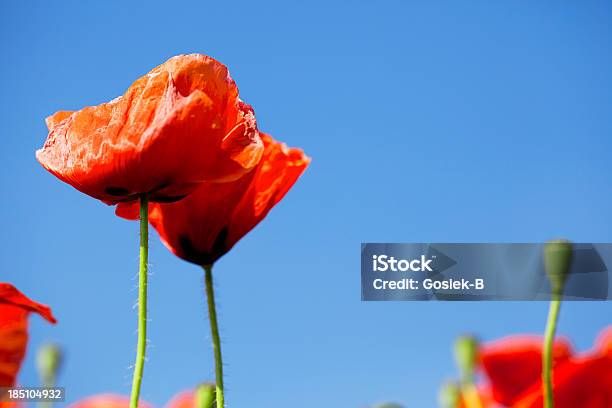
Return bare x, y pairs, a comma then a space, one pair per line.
205, 396
449, 396
466, 353
48, 361
557, 262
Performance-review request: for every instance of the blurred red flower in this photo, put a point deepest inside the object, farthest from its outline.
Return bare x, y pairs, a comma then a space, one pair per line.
15, 308
204, 226
513, 364
513, 368
107, 401
179, 125
583, 381
202, 396
185, 399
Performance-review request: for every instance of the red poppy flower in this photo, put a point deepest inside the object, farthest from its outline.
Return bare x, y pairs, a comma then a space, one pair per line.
583, 381
107, 401
513, 367
205, 225
513, 364
15, 308
189, 398
185, 399
179, 125
603, 344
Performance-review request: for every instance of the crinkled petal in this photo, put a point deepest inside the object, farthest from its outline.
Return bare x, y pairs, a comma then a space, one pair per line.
174, 128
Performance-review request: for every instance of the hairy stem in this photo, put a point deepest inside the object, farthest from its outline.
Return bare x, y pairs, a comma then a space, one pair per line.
142, 301
214, 329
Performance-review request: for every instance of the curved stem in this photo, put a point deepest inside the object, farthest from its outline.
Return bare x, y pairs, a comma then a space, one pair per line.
547, 360
214, 329
142, 301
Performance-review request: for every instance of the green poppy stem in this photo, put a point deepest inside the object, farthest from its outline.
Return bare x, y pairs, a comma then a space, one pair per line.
48, 362
48, 384
142, 301
214, 329
547, 356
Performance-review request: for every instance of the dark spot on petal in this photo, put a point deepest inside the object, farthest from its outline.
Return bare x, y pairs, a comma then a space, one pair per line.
166, 199
163, 185
159, 196
218, 247
191, 254
117, 191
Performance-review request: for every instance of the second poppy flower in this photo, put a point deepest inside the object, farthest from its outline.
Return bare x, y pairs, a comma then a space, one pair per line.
204, 226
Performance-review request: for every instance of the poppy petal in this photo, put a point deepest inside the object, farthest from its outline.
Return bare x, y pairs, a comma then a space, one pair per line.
54, 120
583, 382
9, 295
185, 399
14, 310
273, 179
514, 364
129, 211
603, 343
203, 396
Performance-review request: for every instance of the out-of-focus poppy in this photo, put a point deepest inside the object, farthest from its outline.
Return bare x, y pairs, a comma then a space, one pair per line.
514, 363
603, 344
202, 397
583, 381
179, 125
513, 369
185, 399
15, 308
205, 225
107, 401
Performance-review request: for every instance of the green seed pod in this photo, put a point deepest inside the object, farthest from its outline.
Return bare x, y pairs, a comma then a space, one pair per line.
205, 396
449, 395
48, 362
557, 263
466, 355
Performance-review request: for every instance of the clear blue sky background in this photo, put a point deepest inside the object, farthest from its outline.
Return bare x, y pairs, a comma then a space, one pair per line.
426, 121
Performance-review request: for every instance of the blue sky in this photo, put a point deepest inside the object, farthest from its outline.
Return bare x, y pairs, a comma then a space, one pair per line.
427, 121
